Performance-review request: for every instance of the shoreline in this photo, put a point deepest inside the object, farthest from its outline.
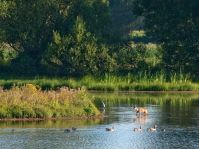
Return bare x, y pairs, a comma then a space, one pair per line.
101, 116
149, 92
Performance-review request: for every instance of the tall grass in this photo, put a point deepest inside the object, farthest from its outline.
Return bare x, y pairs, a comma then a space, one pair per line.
30, 102
139, 82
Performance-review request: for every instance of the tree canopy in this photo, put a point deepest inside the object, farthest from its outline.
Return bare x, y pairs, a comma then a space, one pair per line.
94, 37
34, 28
174, 24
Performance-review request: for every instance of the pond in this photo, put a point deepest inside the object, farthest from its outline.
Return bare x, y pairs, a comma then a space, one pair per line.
176, 117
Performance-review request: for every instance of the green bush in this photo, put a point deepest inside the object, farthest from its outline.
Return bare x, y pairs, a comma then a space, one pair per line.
16, 112
43, 112
4, 113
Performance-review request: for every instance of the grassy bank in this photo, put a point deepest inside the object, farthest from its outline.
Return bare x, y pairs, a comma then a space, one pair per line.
140, 82
30, 102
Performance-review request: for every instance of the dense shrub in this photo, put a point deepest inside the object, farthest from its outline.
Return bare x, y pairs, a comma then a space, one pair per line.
30, 102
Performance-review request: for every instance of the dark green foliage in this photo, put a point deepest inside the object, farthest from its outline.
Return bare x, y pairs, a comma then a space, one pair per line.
87, 110
138, 57
174, 24
97, 37
43, 112
122, 19
31, 28
78, 53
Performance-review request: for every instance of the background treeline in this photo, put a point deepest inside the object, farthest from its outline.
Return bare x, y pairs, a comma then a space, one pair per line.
95, 37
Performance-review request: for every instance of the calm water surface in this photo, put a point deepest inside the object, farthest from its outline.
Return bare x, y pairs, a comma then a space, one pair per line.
177, 114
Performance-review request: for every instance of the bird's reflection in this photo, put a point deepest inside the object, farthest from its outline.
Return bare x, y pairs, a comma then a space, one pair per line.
140, 119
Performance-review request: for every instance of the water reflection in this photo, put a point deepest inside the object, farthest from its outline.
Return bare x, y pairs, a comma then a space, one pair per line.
140, 119
50, 123
177, 114
181, 109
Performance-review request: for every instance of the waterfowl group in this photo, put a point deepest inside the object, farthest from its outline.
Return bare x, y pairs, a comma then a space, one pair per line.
139, 129
152, 129
144, 112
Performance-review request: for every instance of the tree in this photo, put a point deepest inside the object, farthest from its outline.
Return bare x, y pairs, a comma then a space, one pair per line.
29, 26
174, 24
139, 57
78, 53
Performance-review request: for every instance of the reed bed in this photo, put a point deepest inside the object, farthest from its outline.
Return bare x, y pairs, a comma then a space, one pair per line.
140, 82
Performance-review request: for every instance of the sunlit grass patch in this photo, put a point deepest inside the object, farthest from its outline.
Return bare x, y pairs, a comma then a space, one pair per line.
31, 102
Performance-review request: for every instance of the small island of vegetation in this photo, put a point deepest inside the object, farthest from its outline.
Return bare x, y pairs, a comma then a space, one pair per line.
30, 103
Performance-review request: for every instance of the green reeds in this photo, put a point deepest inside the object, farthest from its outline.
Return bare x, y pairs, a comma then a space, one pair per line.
139, 82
